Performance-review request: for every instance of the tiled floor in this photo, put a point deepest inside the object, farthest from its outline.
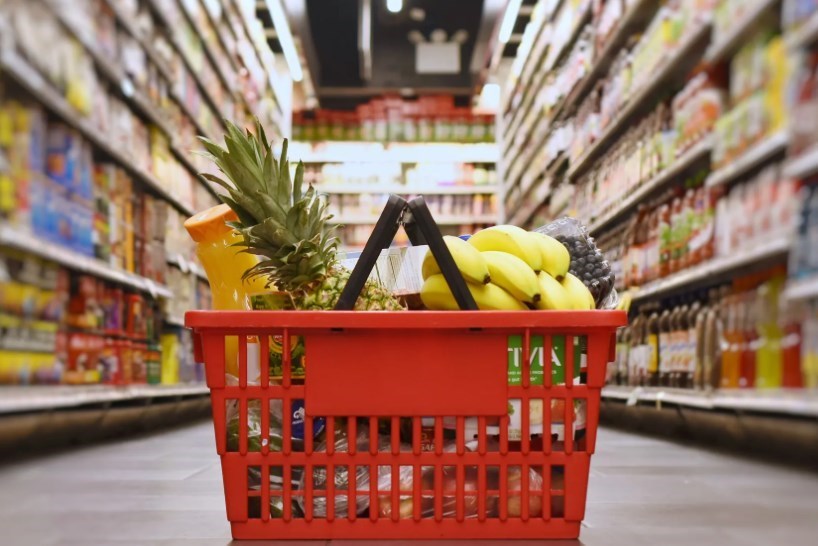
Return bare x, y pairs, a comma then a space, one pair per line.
166, 489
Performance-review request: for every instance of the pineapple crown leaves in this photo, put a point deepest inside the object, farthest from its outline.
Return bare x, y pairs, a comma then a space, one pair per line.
278, 221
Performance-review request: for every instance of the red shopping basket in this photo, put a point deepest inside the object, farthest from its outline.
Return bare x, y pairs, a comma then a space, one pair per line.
406, 429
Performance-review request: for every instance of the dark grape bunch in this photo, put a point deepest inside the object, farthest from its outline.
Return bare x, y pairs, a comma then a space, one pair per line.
587, 262
589, 265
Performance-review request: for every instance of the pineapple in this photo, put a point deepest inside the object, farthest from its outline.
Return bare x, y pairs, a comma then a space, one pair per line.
284, 225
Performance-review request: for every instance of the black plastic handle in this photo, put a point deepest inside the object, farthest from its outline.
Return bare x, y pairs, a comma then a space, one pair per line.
421, 229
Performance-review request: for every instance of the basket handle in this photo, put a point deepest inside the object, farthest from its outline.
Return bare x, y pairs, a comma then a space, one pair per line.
421, 228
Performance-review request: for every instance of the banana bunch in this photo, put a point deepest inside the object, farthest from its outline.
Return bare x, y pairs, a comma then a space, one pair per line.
507, 268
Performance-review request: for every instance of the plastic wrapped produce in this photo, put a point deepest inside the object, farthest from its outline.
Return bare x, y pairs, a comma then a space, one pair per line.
587, 261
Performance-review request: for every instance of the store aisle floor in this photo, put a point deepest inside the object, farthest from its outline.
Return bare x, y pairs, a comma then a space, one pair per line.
166, 489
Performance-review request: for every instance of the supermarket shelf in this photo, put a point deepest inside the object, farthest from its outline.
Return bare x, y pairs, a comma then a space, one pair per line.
47, 250
804, 35
525, 212
802, 289
441, 219
110, 70
14, 65
582, 20
128, 23
405, 190
602, 61
18, 399
689, 158
175, 321
669, 69
803, 165
795, 402
207, 48
399, 152
203, 90
712, 270
186, 266
532, 60
752, 158
724, 46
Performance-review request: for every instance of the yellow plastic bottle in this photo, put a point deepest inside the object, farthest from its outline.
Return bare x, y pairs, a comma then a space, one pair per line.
224, 265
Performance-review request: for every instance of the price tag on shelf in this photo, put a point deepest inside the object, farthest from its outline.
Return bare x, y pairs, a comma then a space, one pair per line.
151, 287
183, 264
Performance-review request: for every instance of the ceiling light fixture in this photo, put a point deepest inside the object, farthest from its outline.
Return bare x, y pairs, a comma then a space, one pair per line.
394, 5
512, 10
285, 38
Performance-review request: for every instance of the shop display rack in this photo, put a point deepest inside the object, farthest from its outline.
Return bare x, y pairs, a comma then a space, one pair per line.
520, 126
793, 402
755, 156
672, 66
403, 190
398, 152
724, 46
805, 34
450, 220
21, 240
802, 289
714, 270
15, 66
803, 165
670, 174
20, 399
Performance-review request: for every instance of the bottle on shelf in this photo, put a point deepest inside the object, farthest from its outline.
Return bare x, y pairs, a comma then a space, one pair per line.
733, 340
750, 343
653, 349
769, 358
665, 340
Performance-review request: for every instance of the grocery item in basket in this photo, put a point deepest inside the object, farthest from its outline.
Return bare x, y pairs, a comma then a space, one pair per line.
225, 265
587, 261
341, 479
284, 224
469, 261
525, 270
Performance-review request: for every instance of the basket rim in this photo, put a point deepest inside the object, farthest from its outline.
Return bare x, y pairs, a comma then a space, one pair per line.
573, 320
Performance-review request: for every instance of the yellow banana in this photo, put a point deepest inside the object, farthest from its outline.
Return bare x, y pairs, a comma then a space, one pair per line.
552, 294
555, 257
513, 275
468, 260
511, 239
436, 294
579, 293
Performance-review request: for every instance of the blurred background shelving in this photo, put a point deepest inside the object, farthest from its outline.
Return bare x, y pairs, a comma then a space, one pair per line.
97, 175
683, 135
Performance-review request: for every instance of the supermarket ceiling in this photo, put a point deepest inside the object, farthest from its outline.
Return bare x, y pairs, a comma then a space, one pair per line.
427, 47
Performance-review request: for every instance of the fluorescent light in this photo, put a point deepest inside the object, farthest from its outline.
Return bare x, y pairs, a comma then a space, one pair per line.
285, 38
394, 5
512, 10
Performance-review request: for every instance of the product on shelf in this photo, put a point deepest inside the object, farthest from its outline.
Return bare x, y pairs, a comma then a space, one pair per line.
760, 76
391, 119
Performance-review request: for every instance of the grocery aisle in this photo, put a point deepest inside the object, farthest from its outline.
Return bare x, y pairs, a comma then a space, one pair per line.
166, 489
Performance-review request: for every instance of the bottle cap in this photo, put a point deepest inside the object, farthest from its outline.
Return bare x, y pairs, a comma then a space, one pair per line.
210, 223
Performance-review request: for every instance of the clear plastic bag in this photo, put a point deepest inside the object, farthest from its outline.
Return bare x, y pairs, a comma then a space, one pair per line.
471, 493
341, 479
587, 261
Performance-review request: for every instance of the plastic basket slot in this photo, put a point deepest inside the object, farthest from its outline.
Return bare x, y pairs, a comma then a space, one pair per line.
429, 372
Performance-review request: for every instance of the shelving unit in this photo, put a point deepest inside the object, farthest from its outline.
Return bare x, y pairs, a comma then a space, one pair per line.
757, 155
55, 397
439, 219
376, 152
18, 68
724, 46
802, 289
715, 270
403, 190
669, 69
685, 161
803, 165
13, 238
793, 402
